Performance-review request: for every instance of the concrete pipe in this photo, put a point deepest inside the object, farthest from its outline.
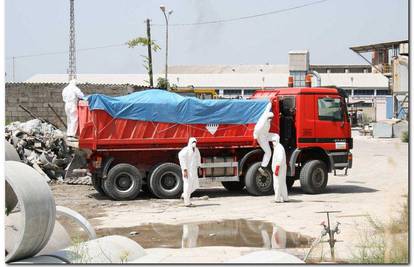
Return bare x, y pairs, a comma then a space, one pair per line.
109, 249
82, 221
11, 153
11, 198
42, 260
267, 257
37, 210
59, 239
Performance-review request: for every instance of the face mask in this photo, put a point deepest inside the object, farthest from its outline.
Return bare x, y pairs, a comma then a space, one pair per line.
193, 145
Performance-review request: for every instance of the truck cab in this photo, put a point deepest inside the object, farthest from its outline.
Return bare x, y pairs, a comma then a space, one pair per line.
315, 130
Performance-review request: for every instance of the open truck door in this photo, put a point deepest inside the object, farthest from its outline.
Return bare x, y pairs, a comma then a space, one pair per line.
275, 124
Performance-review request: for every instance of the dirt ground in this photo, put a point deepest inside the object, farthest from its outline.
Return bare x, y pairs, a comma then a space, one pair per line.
377, 185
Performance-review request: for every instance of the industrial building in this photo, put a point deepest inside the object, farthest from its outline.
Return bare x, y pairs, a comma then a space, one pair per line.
372, 88
390, 59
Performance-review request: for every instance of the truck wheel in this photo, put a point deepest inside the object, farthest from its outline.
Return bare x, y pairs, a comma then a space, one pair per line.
289, 182
233, 186
166, 181
97, 184
257, 184
124, 182
313, 177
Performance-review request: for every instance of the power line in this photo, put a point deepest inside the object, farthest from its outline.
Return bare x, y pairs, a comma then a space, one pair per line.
66, 52
244, 17
177, 24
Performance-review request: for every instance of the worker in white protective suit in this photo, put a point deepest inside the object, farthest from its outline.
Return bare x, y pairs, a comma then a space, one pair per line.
263, 136
71, 95
190, 161
279, 170
277, 240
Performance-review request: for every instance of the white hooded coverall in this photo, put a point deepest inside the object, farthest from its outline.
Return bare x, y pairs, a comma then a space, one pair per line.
279, 160
190, 160
277, 240
71, 95
263, 136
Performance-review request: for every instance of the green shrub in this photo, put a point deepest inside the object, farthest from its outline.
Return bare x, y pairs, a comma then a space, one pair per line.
405, 137
385, 243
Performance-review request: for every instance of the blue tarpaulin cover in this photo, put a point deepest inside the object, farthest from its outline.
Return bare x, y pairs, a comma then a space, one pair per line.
163, 106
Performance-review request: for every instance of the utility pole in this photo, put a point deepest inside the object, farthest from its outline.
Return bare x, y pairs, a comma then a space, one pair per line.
151, 79
72, 46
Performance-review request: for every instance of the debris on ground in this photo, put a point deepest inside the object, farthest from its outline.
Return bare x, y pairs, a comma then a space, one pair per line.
42, 146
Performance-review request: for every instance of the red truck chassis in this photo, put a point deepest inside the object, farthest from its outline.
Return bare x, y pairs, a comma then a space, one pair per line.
125, 156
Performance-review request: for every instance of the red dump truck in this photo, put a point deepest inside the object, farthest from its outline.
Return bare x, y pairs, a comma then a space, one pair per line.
126, 156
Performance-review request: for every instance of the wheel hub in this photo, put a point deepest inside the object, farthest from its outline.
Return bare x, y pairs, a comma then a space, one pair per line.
318, 177
124, 182
168, 181
263, 182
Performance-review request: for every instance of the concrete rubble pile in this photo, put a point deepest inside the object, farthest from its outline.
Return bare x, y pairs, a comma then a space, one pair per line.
43, 147
393, 128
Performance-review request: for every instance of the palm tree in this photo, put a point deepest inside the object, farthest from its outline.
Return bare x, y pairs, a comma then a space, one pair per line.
152, 46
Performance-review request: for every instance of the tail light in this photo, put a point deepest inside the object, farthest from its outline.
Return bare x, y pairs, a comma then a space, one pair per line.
349, 156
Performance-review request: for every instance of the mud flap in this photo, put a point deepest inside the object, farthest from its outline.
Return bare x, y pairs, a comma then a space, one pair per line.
78, 162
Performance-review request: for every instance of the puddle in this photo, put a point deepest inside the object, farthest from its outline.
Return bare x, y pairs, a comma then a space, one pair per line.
235, 233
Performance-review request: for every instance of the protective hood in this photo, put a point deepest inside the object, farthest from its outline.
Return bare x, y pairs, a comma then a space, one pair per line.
190, 141
73, 82
189, 146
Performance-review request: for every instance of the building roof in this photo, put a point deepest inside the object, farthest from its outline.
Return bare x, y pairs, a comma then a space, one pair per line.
352, 80
372, 47
227, 80
340, 66
266, 68
132, 79
220, 69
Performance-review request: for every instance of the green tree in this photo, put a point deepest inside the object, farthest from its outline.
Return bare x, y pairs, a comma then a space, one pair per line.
151, 45
164, 84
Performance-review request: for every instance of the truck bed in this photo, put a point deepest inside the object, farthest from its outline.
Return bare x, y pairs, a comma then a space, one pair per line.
99, 131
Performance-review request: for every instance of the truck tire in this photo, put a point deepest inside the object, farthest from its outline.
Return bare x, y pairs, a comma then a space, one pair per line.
233, 186
97, 184
257, 184
289, 182
166, 181
124, 182
313, 177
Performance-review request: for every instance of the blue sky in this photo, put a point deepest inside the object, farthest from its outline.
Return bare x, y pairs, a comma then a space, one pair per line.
326, 29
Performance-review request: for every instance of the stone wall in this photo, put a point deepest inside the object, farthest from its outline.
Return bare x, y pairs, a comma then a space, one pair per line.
36, 97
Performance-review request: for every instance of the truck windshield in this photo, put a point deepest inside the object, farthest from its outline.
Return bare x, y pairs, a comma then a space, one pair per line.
329, 109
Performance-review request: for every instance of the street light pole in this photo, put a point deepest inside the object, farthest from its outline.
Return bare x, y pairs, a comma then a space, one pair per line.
162, 7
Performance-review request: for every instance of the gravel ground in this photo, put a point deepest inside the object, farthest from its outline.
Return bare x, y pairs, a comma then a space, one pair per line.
377, 185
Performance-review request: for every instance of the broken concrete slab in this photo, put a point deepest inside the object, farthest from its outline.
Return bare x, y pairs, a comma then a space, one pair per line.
382, 129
